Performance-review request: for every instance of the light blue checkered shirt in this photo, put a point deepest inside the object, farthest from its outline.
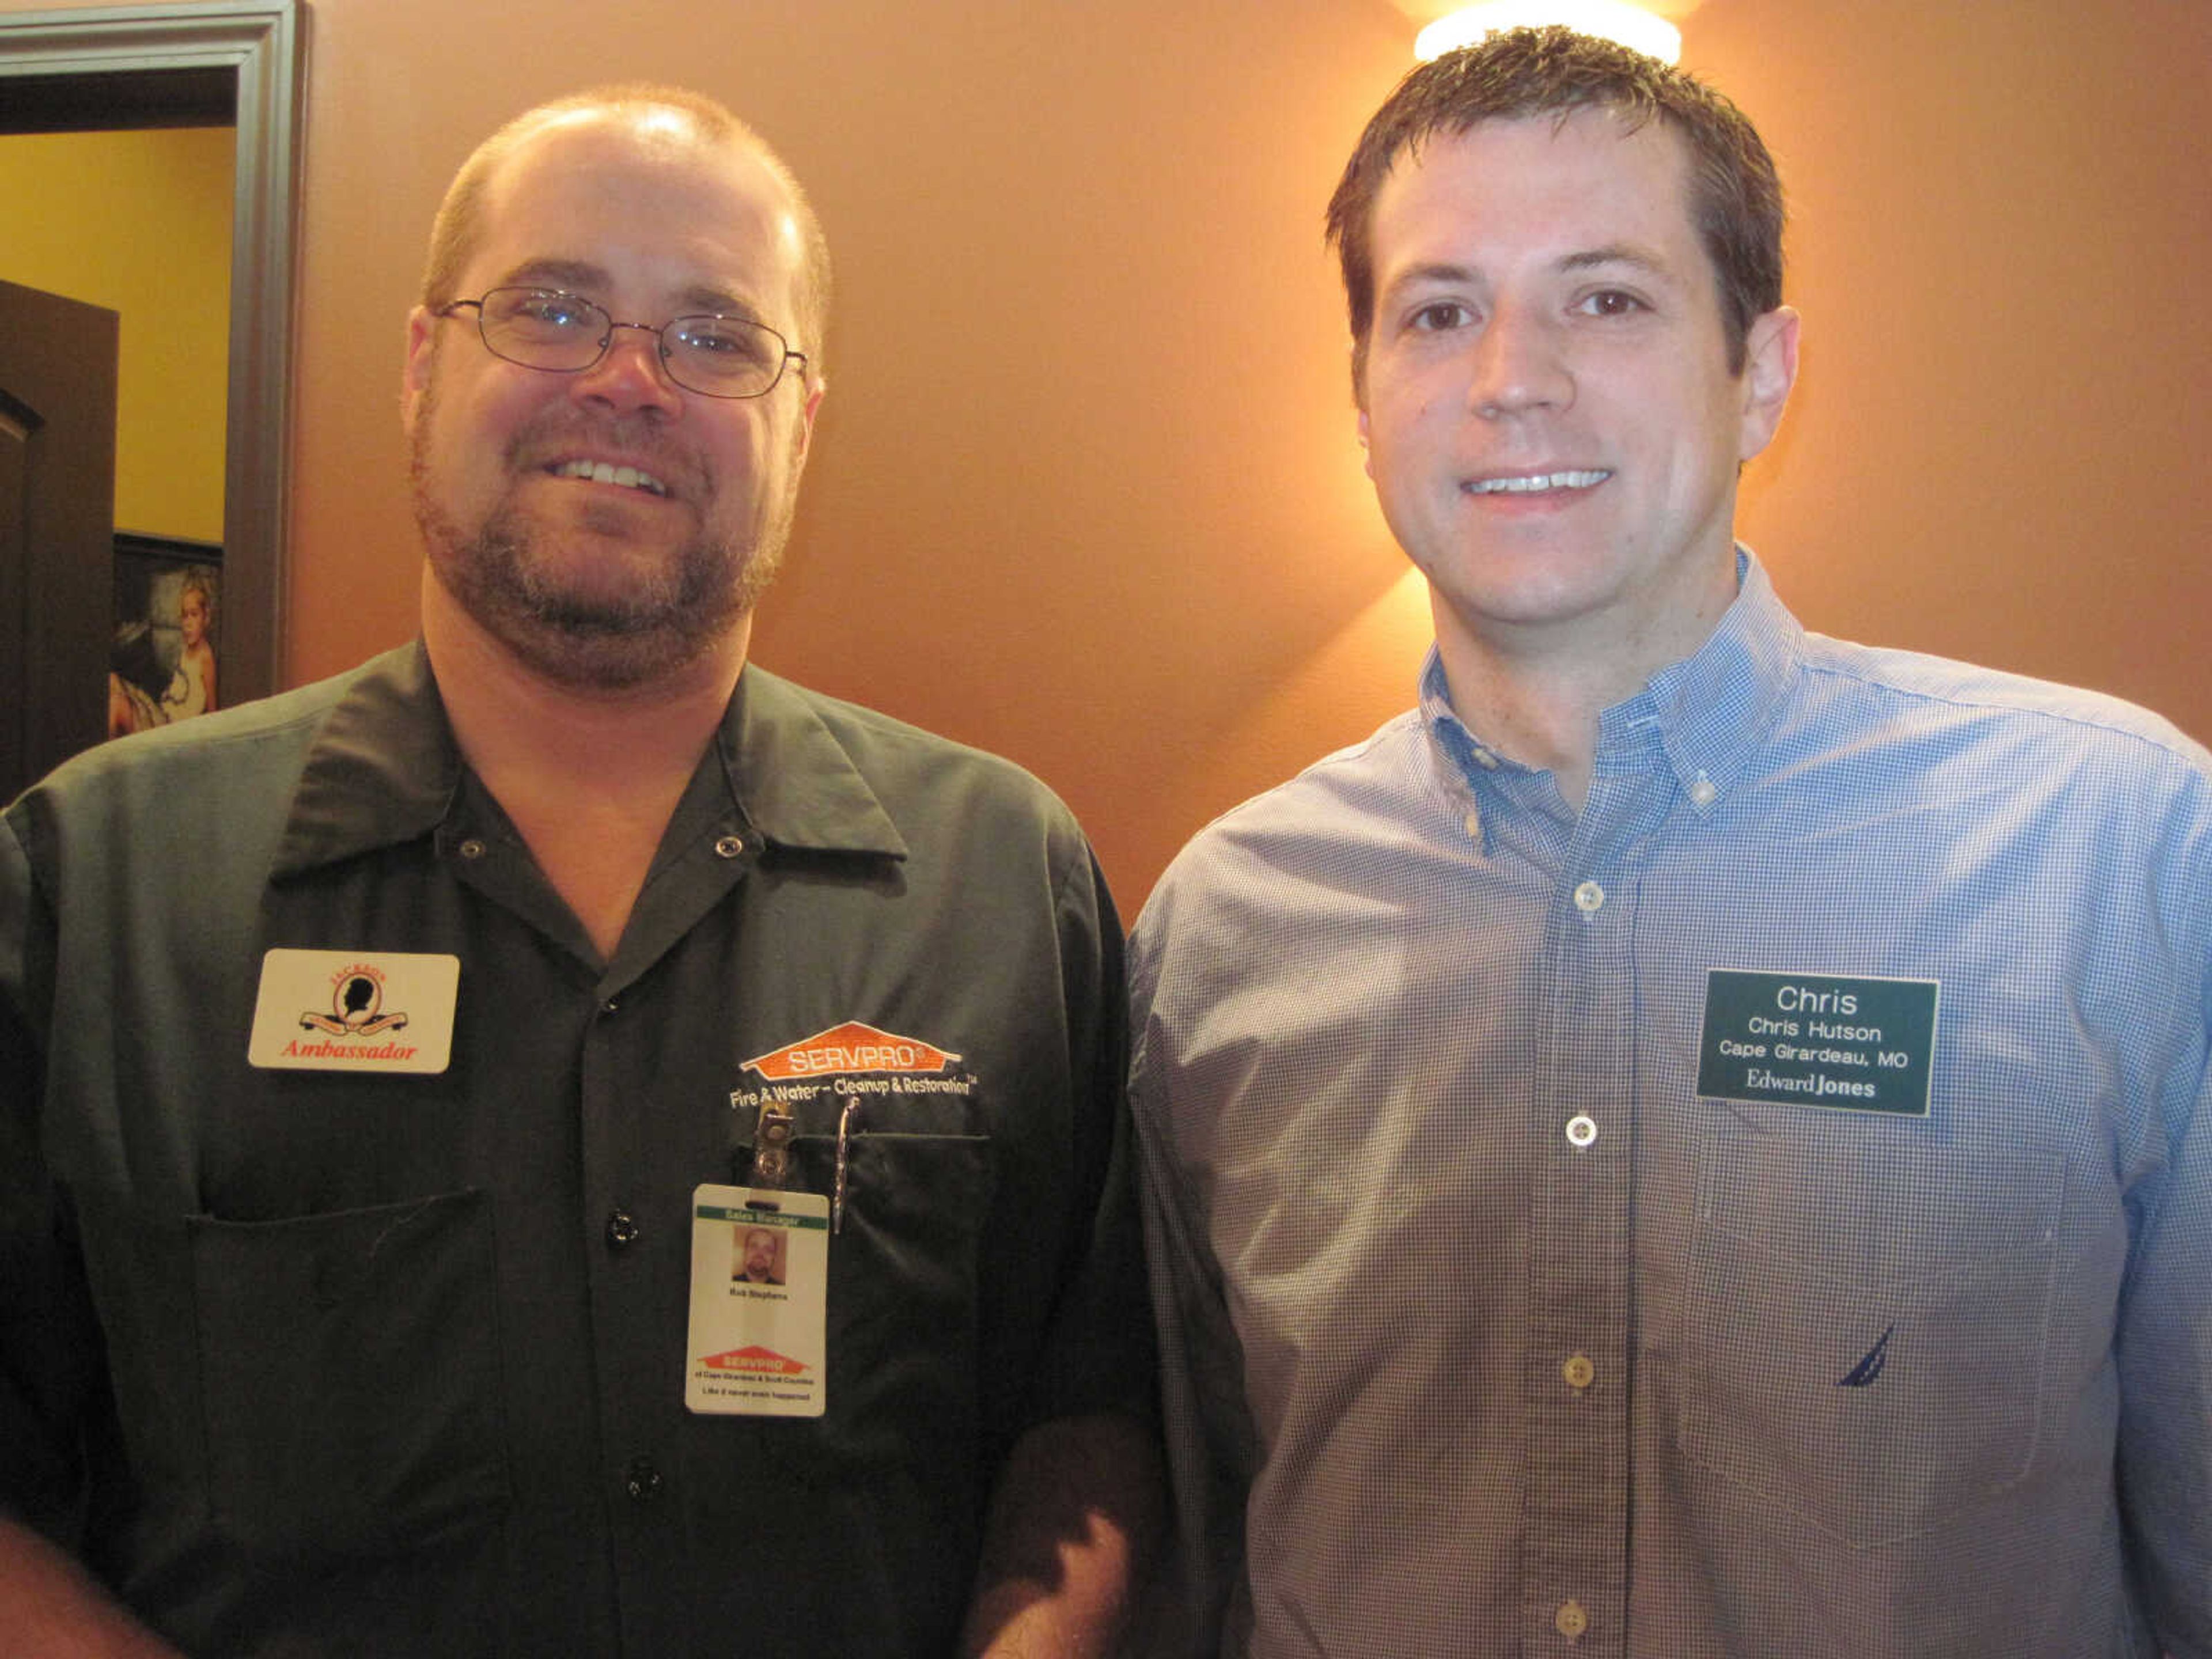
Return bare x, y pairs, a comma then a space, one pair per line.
1486, 1333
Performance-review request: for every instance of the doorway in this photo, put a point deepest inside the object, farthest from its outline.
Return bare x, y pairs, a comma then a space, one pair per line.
57, 478
239, 62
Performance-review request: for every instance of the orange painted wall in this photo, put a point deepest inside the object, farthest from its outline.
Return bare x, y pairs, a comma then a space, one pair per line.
1085, 489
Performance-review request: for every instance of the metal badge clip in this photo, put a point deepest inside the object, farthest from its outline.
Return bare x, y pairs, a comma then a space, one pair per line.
772, 1146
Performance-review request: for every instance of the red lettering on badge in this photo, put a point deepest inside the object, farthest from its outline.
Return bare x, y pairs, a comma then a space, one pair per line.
762, 1361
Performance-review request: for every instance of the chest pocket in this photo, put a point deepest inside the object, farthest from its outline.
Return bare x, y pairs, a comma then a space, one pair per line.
905, 1313
1865, 1340
350, 1375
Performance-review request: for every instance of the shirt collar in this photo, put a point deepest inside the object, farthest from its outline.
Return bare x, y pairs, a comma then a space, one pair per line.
384, 768
1716, 708
1708, 715
793, 778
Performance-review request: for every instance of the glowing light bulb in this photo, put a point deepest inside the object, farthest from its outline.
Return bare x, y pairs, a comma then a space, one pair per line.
1611, 19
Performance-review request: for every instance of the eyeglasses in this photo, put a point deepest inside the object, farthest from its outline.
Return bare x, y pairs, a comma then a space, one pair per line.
566, 334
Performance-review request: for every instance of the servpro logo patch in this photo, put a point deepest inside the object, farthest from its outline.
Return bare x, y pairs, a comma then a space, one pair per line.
850, 1049
848, 1062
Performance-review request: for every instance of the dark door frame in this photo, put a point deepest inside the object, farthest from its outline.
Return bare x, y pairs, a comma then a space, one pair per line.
109, 67
57, 559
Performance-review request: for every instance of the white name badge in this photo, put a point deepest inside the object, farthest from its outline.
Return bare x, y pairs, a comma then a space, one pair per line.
759, 1300
355, 1010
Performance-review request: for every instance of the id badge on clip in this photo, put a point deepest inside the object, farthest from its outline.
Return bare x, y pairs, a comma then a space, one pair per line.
760, 1284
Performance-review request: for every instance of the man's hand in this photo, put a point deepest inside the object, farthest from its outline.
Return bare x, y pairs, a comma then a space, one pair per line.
51, 1608
1073, 1524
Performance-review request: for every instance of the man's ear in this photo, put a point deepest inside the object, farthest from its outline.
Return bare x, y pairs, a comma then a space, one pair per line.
415, 377
815, 390
1770, 369
1360, 402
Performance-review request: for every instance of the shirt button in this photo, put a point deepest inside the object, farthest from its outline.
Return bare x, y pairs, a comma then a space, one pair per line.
1702, 792
611, 1005
1589, 896
1572, 1621
622, 1229
1579, 1372
1582, 1129
642, 1480
728, 847
1472, 824
471, 848
1486, 760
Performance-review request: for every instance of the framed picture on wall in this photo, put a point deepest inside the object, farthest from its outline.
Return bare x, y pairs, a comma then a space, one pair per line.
164, 657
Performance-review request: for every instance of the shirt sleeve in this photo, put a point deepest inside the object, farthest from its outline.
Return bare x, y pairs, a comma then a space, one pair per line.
49, 1344
2165, 1353
1212, 1446
1099, 1355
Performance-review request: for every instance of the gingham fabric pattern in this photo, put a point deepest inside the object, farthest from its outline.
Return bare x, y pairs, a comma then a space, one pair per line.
1486, 1333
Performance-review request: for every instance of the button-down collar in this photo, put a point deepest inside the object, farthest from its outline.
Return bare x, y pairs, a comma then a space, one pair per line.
1706, 715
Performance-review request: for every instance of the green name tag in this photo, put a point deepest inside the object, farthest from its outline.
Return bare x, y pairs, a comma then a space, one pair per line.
1864, 1045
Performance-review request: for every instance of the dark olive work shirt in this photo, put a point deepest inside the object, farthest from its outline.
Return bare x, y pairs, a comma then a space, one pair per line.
311, 1363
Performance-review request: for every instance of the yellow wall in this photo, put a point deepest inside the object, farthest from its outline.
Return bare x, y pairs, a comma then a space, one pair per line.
140, 222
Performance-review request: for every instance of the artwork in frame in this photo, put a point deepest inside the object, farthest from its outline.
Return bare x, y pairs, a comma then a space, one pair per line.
164, 654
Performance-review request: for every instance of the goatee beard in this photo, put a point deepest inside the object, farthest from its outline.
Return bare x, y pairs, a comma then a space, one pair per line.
593, 636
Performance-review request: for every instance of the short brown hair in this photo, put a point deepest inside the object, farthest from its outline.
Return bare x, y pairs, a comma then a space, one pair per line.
1735, 195
454, 233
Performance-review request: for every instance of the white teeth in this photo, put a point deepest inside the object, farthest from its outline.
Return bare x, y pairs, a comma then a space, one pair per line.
629, 478
1530, 485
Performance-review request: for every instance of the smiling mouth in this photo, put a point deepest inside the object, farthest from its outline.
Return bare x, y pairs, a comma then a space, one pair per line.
1535, 482
629, 478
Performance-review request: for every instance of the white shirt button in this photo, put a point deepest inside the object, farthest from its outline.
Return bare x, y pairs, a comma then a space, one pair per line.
1702, 792
1472, 824
1582, 1129
1486, 760
1589, 896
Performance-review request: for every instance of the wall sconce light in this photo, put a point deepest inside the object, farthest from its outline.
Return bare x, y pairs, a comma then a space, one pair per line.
1612, 20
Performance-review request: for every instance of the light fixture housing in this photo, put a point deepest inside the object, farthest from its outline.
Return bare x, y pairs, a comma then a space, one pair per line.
1612, 20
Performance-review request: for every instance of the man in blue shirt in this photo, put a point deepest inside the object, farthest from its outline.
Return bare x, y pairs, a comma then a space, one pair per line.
1694, 1140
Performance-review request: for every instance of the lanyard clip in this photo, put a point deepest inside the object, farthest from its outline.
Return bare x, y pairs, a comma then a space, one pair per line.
772, 1146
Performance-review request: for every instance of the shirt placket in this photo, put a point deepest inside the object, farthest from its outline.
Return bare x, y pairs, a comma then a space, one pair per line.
1576, 1377
630, 1226
642, 1079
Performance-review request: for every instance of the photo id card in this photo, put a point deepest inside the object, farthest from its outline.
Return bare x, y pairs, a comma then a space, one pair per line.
759, 1300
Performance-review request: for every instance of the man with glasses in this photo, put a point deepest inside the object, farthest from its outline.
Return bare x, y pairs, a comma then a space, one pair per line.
367, 1202
1694, 1140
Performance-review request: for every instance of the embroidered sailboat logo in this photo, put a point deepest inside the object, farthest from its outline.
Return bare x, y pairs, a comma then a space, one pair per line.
1869, 1368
